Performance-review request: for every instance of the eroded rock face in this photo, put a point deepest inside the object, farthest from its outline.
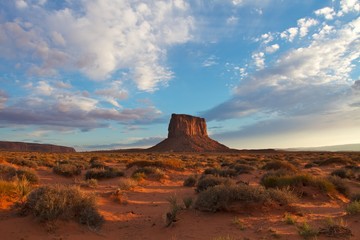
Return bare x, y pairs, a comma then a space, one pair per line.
186, 125
188, 134
33, 147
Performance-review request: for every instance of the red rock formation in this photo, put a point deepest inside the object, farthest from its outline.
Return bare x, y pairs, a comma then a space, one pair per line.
188, 134
186, 125
33, 147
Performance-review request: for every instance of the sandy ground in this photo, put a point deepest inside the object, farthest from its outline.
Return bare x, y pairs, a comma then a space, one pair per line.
141, 214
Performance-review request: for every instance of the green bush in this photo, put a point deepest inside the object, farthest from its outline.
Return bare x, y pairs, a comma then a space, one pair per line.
190, 181
353, 208
334, 160
210, 181
23, 162
220, 197
150, 172
67, 170
242, 168
340, 185
220, 172
276, 180
277, 165
343, 173
63, 202
28, 174
127, 184
103, 173
307, 231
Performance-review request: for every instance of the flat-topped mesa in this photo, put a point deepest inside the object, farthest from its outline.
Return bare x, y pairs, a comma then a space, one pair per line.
185, 125
188, 134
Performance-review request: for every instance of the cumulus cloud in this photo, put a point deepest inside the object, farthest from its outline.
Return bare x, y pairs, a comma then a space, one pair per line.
259, 60
328, 12
304, 25
273, 48
290, 34
349, 6
99, 38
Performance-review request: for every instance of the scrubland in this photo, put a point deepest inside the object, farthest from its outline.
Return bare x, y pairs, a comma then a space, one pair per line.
117, 195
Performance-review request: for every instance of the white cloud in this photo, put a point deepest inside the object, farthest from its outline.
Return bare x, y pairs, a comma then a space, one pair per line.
99, 38
21, 4
43, 88
61, 84
328, 12
309, 81
210, 61
259, 60
304, 24
232, 20
273, 48
349, 6
267, 37
289, 34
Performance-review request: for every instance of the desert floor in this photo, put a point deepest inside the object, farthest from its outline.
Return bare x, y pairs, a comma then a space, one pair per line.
139, 210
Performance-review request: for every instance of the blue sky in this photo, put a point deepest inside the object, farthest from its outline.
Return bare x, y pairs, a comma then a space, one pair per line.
103, 74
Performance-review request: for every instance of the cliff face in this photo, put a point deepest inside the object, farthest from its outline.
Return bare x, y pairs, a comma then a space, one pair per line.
33, 147
186, 125
188, 134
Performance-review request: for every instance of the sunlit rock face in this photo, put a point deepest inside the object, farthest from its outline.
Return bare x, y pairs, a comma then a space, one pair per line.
188, 134
186, 125
33, 147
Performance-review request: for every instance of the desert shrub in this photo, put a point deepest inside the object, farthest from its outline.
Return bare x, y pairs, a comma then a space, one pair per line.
289, 219
151, 172
7, 189
307, 231
127, 184
310, 165
7, 172
103, 173
210, 181
63, 202
187, 202
277, 165
343, 173
23, 162
340, 185
220, 197
171, 216
276, 180
190, 181
28, 174
282, 196
355, 197
334, 160
138, 176
243, 168
353, 208
95, 162
91, 183
220, 172
81, 164
67, 170
335, 229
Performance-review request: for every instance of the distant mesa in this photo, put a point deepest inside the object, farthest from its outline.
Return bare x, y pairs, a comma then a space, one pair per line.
188, 134
34, 147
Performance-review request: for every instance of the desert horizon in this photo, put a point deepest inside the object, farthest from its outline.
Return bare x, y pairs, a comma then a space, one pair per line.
179, 119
